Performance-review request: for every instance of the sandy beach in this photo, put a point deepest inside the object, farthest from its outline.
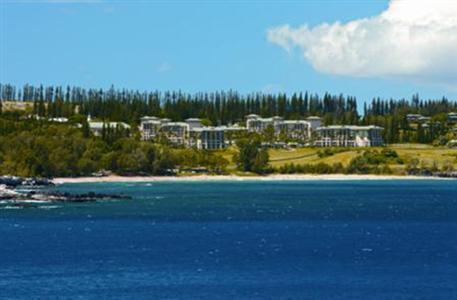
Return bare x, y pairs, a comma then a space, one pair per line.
279, 177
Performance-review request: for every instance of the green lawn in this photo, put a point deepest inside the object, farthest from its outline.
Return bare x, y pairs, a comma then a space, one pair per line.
426, 154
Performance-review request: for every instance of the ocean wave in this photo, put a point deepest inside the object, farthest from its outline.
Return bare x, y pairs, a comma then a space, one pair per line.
11, 207
49, 206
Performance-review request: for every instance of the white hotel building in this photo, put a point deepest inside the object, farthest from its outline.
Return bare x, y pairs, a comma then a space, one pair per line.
349, 136
295, 129
190, 133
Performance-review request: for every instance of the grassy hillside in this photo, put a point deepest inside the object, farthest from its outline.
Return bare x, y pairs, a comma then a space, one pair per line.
425, 154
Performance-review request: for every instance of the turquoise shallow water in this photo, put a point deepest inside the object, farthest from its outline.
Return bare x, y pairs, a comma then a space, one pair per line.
237, 240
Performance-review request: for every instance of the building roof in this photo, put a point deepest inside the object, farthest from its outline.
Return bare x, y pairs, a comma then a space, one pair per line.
232, 128
207, 128
148, 118
295, 122
175, 124
350, 127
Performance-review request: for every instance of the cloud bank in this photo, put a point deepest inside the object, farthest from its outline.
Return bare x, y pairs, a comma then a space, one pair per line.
412, 39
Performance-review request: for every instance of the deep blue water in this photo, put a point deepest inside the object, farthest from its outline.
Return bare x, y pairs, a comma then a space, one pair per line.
237, 240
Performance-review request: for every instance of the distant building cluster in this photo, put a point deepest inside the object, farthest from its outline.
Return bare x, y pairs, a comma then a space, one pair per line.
451, 117
417, 118
192, 133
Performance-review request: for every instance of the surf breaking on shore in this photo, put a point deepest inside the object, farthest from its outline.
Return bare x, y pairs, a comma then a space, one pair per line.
197, 178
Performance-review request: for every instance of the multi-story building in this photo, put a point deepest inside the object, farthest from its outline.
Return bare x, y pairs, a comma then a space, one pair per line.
150, 127
190, 133
176, 132
349, 136
194, 123
254, 123
207, 138
232, 133
294, 129
314, 122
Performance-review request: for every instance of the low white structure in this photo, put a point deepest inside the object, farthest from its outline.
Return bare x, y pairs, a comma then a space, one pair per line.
417, 118
452, 144
58, 120
97, 127
349, 136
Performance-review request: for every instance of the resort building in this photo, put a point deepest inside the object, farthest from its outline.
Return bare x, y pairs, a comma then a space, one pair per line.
150, 127
452, 117
190, 133
176, 132
207, 138
194, 123
314, 122
231, 133
254, 123
417, 118
349, 136
293, 129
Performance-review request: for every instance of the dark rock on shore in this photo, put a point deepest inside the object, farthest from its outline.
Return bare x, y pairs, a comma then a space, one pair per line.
14, 181
68, 197
11, 196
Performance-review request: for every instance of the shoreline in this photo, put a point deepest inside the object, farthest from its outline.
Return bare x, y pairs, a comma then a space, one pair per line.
208, 178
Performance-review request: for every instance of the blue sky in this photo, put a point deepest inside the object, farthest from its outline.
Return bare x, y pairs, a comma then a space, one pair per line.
191, 46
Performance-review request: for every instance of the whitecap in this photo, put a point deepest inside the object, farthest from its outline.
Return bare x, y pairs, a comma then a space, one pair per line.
49, 206
12, 207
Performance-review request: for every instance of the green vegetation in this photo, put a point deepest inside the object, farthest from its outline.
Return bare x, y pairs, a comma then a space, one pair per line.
41, 148
396, 159
231, 107
30, 145
251, 157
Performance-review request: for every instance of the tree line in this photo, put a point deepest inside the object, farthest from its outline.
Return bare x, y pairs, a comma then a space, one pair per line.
230, 107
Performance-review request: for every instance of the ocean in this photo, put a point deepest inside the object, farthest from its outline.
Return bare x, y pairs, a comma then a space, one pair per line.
237, 240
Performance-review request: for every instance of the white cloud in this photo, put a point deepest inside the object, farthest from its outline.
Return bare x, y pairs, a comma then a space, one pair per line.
412, 39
